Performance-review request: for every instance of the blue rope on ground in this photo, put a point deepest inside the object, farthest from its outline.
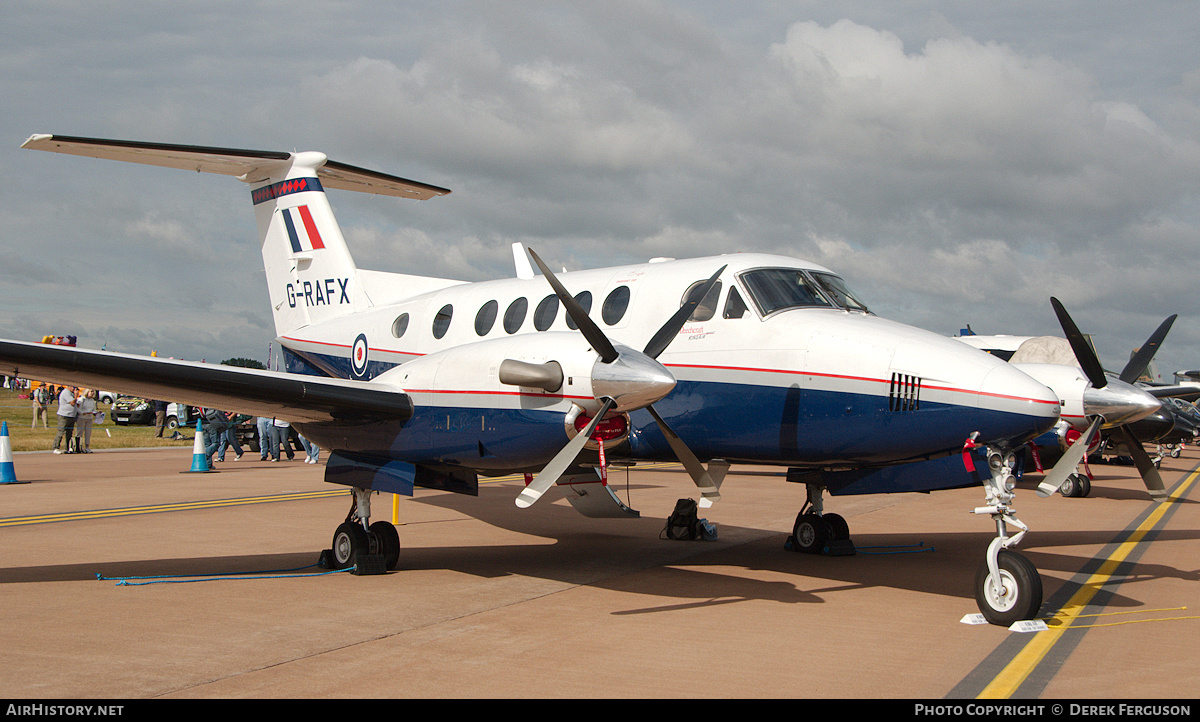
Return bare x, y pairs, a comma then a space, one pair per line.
899, 549
186, 578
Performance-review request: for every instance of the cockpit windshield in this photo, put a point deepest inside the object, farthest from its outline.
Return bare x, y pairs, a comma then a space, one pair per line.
835, 288
775, 289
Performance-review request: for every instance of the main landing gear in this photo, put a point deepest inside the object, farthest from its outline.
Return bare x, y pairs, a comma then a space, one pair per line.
816, 532
368, 548
1008, 588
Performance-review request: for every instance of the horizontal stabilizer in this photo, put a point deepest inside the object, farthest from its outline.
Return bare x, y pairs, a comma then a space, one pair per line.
229, 388
251, 166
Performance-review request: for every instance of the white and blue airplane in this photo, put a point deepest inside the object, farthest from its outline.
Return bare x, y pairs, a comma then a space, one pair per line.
735, 359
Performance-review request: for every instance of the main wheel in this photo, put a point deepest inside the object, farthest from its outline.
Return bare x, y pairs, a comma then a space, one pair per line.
838, 527
388, 542
1070, 486
1020, 593
811, 533
348, 541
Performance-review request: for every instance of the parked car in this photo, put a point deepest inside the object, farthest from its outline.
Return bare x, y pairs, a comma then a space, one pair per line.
138, 411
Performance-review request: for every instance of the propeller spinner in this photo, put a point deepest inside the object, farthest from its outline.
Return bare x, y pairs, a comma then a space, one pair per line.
624, 379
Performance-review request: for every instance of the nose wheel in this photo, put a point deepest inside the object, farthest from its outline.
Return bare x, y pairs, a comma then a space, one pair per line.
1013, 593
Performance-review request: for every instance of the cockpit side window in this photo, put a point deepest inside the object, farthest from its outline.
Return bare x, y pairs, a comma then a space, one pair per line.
835, 288
707, 305
735, 307
776, 289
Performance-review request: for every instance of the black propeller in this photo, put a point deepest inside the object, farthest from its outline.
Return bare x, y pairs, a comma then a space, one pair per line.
1095, 373
1137, 365
608, 355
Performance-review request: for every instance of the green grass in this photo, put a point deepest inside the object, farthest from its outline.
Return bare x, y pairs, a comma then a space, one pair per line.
18, 413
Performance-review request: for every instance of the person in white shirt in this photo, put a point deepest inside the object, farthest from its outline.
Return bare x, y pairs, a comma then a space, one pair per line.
85, 414
66, 417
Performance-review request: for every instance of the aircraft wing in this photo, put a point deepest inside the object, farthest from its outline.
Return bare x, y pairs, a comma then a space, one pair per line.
295, 397
1184, 391
250, 166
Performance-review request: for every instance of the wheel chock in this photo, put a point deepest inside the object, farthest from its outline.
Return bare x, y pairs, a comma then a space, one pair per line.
369, 564
839, 548
832, 548
325, 561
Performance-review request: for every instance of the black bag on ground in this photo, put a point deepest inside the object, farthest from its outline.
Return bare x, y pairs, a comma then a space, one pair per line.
683, 524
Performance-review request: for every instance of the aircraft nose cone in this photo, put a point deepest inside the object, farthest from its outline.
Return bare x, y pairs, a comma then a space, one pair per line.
633, 380
1119, 403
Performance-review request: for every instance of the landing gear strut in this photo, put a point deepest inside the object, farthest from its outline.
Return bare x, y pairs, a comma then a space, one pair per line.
369, 548
1008, 588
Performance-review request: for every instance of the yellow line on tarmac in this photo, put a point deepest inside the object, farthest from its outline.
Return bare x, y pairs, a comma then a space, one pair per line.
214, 503
158, 508
1015, 673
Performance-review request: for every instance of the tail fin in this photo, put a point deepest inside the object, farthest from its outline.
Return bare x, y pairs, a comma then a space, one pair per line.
310, 274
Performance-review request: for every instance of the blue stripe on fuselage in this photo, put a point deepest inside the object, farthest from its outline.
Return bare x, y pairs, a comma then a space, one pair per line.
738, 422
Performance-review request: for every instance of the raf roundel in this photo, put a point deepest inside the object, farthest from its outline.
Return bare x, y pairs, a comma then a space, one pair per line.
358, 356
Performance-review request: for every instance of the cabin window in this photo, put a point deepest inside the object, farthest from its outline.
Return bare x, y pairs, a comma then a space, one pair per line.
735, 307
584, 299
441, 322
777, 289
486, 318
835, 289
400, 325
615, 305
514, 316
708, 305
543, 315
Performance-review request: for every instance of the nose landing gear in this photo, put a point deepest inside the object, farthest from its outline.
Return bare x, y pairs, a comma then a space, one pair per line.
1008, 587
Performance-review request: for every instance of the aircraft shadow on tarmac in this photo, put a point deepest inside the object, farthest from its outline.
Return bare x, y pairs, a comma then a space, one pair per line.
629, 556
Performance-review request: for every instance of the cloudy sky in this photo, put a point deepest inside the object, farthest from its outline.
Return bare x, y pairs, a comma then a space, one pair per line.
958, 162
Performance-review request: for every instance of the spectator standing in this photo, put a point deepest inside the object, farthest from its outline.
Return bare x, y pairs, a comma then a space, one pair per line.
66, 418
160, 418
85, 414
41, 400
311, 450
215, 424
265, 446
230, 438
279, 440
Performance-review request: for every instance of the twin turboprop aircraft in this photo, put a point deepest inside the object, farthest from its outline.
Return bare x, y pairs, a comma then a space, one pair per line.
737, 359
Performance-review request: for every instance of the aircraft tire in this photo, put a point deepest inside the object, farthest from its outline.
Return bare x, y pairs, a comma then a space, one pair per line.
389, 542
348, 541
812, 533
1022, 590
1070, 486
1085, 486
838, 527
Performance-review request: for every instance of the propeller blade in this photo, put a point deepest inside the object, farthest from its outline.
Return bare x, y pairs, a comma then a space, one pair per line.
550, 473
1066, 465
1150, 476
1137, 365
586, 325
709, 489
665, 335
1083, 352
